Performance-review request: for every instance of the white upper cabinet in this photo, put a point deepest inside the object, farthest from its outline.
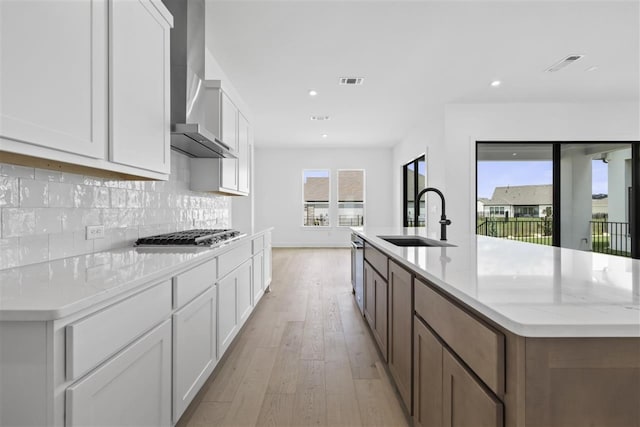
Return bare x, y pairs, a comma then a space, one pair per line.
228, 176
139, 85
86, 84
243, 154
53, 75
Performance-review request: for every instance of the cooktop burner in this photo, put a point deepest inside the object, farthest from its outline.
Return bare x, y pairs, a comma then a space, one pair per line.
203, 237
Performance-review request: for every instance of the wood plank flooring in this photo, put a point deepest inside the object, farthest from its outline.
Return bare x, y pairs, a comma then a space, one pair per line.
305, 356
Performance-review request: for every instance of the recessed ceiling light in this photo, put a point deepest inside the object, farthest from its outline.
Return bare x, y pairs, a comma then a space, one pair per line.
313, 92
324, 135
496, 83
320, 118
514, 154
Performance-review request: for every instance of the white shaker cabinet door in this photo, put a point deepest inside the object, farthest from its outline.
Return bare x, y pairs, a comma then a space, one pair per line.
194, 349
53, 75
131, 389
244, 159
229, 135
258, 277
139, 85
245, 295
227, 311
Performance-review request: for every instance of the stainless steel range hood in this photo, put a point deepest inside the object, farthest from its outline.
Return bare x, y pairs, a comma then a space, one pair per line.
191, 113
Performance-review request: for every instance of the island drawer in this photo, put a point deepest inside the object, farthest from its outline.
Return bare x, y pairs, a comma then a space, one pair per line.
93, 339
477, 344
191, 283
377, 259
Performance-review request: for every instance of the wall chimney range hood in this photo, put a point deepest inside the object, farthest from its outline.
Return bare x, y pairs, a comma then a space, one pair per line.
192, 114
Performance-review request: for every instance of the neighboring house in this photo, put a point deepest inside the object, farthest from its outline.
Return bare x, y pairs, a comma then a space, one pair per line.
480, 205
529, 201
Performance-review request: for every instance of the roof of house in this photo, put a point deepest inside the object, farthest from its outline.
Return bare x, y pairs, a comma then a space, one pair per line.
483, 200
350, 187
522, 195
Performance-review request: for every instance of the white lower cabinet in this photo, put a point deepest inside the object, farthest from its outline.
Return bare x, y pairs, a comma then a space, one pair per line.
234, 303
132, 388
258, 277
194, 349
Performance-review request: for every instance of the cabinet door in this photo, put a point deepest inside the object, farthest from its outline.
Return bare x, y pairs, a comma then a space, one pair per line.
427, 377
465, 402
245, 294
369, 295
132, 388
53, 74
382, 319
400, 323
229, 135
244, 152
139, 86
267, 264
227, 312
194, 349
258, 277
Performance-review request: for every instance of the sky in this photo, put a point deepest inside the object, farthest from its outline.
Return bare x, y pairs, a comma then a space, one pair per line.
502, 174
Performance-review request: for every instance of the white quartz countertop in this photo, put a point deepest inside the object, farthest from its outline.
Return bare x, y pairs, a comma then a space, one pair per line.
530, 290
56, 289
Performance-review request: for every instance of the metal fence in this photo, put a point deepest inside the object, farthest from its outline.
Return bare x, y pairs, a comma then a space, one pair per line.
532, 231
610, 237
350, 221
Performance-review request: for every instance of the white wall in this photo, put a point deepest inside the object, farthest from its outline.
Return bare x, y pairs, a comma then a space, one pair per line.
278, 191
466, 124
427, 137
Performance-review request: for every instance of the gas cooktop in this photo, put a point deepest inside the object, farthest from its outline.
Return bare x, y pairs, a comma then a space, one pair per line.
203, 237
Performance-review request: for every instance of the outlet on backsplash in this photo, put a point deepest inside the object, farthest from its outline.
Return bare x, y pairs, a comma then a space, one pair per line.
95, 232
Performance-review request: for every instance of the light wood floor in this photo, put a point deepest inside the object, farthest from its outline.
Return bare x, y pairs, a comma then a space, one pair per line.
304, 357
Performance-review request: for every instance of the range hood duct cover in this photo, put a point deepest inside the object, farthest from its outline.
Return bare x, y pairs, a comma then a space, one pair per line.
190, 134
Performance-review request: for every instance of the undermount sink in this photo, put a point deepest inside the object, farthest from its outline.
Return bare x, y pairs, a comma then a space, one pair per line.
402, 240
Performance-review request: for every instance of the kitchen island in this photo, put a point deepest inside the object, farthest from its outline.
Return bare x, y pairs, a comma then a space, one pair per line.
496, 332
126, 336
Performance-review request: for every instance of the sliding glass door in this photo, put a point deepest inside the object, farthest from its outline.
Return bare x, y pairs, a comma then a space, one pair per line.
577, 195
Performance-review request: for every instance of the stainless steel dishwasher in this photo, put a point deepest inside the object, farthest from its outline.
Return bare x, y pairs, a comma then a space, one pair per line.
357, 269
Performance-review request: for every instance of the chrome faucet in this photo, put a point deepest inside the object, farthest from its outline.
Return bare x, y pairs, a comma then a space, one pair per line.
443, 218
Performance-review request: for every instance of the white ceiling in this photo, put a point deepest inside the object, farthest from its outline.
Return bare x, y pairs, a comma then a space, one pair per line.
414, 55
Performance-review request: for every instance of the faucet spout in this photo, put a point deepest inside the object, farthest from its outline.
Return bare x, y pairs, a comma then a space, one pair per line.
443, 217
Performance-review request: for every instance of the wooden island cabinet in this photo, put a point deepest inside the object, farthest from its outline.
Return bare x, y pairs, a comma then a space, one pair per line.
453, 366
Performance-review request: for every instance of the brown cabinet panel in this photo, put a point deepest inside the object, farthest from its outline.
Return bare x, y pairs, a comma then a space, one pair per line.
369, 295
582, 381
400, 325
480, 346
380, 332
377, 259
427, 377
375, 306
465, 402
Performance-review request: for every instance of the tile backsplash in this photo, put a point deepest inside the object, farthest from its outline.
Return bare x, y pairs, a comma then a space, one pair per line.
44, 213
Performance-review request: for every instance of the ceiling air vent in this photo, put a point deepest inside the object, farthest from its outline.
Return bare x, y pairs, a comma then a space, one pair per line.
351, 80
563, 63
320, 118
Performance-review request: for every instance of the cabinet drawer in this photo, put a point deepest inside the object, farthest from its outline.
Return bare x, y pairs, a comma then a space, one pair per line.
258, 244
230, 260
480, 346
377, 259
190, 284
93, 339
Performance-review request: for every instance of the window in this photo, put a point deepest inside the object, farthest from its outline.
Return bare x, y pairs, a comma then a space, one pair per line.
496, 210
316, 195
350, 198
414, 175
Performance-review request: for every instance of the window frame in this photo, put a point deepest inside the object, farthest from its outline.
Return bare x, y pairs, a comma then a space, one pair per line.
305, 203
364, 197
405, 211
